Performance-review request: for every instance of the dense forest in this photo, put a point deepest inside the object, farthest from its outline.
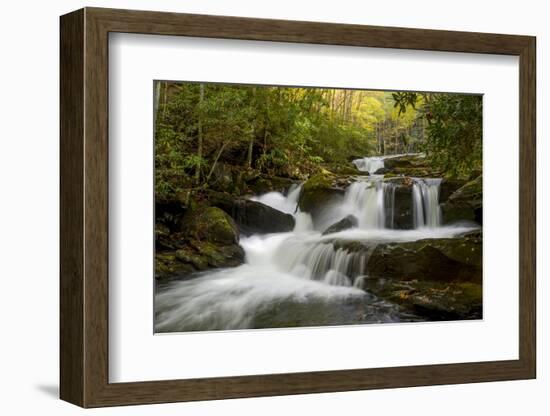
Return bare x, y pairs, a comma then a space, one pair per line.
294, 132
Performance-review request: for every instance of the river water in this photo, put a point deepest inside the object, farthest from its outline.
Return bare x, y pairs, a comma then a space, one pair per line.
301, 278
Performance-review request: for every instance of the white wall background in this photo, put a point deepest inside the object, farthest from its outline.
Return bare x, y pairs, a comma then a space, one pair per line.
29, 206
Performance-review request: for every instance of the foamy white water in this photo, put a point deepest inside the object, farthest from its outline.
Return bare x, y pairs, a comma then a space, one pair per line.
303, 276
279, 201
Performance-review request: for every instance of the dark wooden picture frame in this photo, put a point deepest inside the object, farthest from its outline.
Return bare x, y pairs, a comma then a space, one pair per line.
84, 207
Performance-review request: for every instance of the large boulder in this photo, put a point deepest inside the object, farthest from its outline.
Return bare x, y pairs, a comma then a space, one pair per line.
405, 161
318, 193
440, 260
403, 207
435, 279
208, 238
210, 224
344, 224
252, 216
465, 204
448, 187
414, 165
433, 301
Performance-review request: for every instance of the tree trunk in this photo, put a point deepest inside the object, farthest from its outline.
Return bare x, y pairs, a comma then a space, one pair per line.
215, 162
199, 145
156, 107
164, 100
251, 141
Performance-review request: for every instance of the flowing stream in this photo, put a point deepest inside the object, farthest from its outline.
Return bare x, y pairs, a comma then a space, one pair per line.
303, 278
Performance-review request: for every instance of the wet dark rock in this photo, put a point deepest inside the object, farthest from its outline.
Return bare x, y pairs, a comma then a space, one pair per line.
382, 171
431, 300
262, 184
208, 238
252, 216
210, 224
345, 223
448, 187
403, 208
465, 204
318, 193
441, 260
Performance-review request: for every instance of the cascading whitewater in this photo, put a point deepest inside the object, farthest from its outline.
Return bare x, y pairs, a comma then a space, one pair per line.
281, 202
426, 209
369, 164
371, 201
303, 265
322, 261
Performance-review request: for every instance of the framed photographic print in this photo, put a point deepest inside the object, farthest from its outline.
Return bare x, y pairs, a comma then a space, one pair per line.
255, 207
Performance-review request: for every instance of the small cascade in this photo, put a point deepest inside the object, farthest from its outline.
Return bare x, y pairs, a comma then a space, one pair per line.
369, 164
373, 163
285, 203
303, 222
372, 202
288, 204
426, 208
323, 261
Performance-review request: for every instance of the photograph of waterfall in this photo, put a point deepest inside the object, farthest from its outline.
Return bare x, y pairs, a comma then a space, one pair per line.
282, 207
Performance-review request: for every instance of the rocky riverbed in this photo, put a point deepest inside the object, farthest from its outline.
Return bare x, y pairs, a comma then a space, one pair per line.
396, 243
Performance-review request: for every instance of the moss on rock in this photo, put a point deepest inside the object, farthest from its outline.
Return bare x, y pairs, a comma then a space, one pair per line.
210, 224
208, 239
318, 192
465, 204
431, 300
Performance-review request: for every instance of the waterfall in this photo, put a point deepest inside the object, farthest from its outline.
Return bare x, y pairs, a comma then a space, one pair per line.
289, 204
369, 164
373, 163
285, 271
284, 203
426, 209
372, 202
322, 261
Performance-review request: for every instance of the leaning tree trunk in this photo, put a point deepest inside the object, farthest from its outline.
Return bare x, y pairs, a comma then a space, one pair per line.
215, 161
199, 145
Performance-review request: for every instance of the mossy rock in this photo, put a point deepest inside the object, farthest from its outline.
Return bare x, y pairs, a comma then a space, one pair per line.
441, 260
465, 204
321, 180
344, 169
448, 187
192, 257
252, 216
318, 193
210, 224
208, 239
167, 266
431, 300
215, 255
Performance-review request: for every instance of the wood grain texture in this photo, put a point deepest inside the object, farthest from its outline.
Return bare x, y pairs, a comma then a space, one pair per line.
71, 100
84, 207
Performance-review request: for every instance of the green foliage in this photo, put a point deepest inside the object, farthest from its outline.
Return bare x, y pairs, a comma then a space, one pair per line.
404, 99
454, 130
294, 132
